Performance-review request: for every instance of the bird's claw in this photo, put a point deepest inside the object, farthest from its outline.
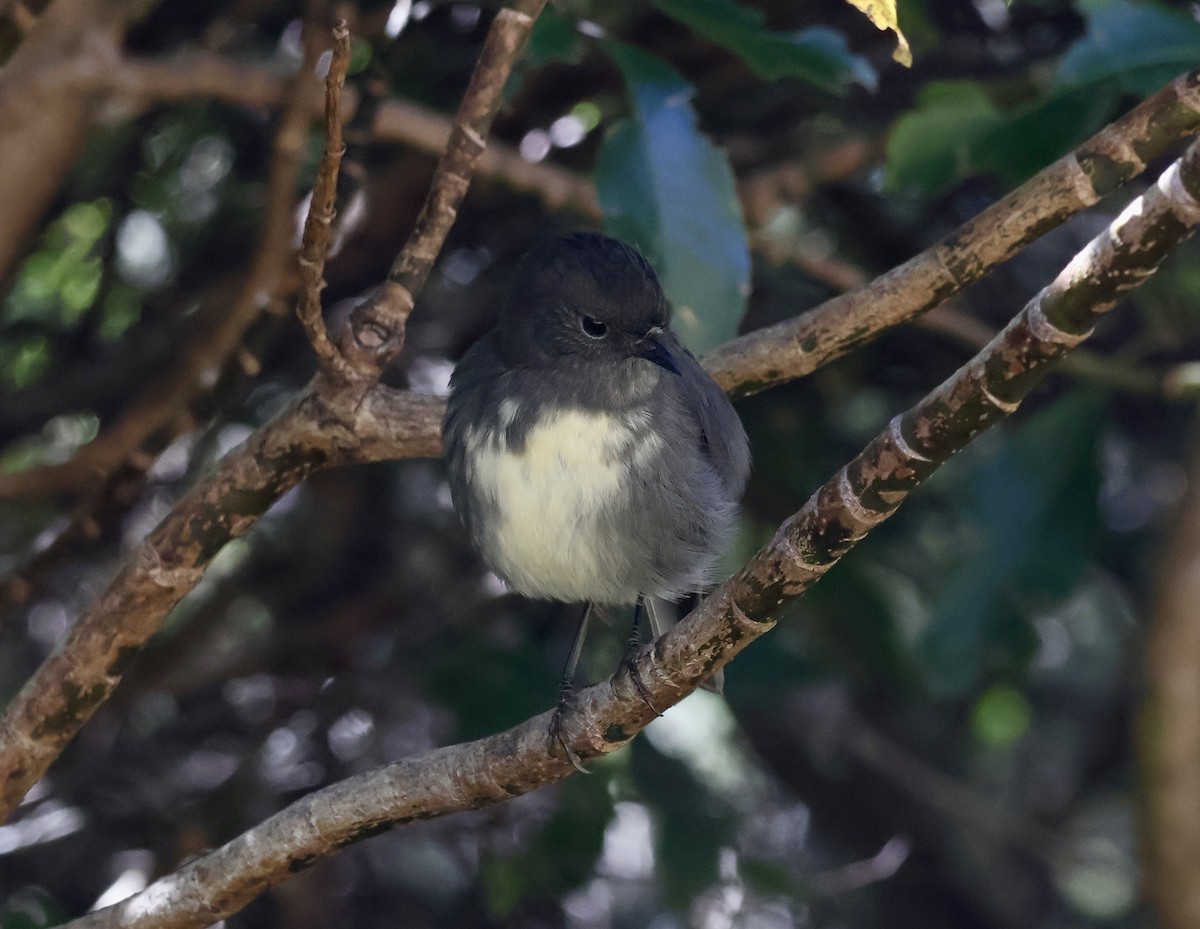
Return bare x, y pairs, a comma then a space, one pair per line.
554, 735
630, 664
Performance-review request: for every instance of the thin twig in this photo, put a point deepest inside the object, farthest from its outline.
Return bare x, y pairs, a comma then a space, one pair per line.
318, 224
859, 497
375, 333
81, 673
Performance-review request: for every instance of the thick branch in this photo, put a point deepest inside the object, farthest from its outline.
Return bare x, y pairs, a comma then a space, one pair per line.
319, 429
324, 425
859, 497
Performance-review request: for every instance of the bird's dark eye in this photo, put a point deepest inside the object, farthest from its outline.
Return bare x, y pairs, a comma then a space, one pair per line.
593, 328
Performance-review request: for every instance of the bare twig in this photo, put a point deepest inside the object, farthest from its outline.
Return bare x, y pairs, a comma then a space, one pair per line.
860, 496
84, 668
1101, 164
375, 333
318, 224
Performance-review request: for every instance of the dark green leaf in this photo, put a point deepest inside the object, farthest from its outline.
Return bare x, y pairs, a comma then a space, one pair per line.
1136, 46
935, 144
554, 38
819, 56
956, 131
665, 188
1035, 511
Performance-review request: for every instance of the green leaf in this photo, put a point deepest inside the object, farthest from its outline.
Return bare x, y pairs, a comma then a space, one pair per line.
665, 188
1037, 518
1136, 46
819, 56
554, 39
935, 144
1129, 50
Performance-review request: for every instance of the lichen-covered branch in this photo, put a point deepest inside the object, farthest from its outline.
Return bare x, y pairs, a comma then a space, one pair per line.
390, 424
320, 429
375, 333
860, 496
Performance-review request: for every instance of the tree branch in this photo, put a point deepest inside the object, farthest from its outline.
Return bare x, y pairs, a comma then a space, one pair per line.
382, 423
318, 224
375, 332
861, 495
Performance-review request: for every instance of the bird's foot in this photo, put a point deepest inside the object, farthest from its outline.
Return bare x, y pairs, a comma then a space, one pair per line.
554, 735
629, 663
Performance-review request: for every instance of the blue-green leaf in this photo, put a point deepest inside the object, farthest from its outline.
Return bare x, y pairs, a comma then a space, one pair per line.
819, 56
666, 189
1137, 47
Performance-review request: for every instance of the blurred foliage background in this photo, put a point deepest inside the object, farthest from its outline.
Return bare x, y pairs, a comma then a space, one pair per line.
940, 735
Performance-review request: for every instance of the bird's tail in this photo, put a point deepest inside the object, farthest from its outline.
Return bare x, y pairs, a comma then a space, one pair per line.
663, 614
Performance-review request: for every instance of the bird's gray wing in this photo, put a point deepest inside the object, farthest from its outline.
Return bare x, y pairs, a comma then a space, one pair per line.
722, 437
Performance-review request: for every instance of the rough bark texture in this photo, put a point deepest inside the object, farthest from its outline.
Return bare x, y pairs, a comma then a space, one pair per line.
375, 333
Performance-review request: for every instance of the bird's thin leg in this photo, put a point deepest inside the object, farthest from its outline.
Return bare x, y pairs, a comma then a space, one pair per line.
632, 643
566, 690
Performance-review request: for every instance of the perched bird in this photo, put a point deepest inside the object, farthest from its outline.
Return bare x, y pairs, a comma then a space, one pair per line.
591, 457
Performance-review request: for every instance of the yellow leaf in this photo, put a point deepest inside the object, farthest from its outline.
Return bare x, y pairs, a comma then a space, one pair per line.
883, 14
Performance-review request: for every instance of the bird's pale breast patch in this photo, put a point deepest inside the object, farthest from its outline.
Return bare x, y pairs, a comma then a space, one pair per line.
549, 540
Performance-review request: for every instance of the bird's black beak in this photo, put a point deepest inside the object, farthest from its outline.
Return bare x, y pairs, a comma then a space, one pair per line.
653, 347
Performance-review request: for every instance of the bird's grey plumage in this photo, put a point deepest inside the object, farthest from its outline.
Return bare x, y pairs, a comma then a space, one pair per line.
589, 467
